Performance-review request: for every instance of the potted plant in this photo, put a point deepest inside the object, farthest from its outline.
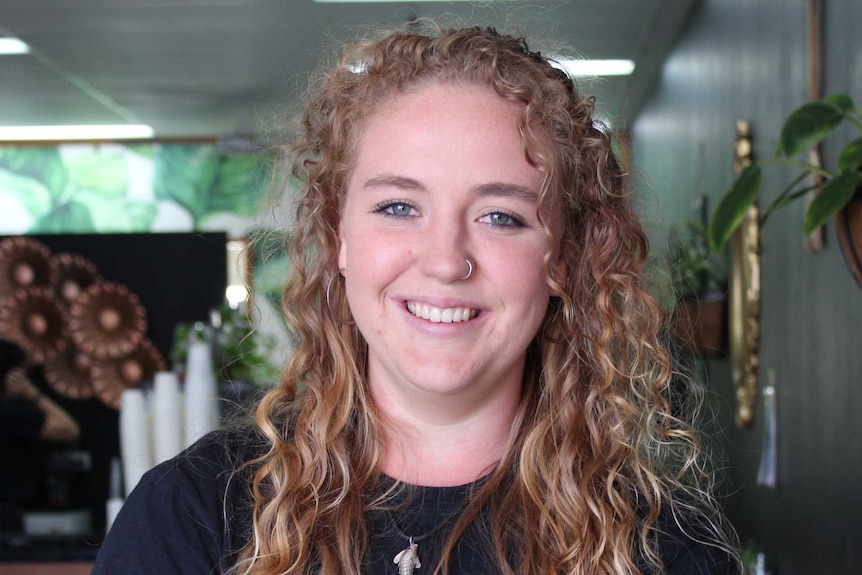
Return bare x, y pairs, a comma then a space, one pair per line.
803, 129
699, 317
240, 354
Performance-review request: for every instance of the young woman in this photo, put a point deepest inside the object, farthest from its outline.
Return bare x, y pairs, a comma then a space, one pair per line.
479, 385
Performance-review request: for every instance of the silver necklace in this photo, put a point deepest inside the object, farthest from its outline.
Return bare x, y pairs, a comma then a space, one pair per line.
408, 559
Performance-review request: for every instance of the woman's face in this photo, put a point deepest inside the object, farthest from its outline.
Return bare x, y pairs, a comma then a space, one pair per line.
441, 176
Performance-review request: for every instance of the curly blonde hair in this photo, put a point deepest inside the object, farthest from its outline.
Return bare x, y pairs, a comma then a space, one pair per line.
597, 451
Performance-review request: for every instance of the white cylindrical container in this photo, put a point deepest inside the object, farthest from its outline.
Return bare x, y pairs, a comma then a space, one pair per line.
167, 416
201, 393
115, 497
135, 443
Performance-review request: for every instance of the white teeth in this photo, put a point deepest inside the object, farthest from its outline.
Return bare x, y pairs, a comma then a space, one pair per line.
440, 315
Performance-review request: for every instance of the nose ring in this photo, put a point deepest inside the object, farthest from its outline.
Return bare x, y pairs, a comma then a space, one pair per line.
469, 270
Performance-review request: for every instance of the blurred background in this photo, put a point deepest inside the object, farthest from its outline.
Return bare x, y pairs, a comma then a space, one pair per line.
206, 87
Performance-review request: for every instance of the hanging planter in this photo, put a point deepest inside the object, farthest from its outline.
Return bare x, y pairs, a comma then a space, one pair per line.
848, 224
838, 189
700, 324
699, 318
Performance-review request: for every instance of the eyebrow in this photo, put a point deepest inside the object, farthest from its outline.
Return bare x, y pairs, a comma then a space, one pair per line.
491, 189
393, 181
506, 190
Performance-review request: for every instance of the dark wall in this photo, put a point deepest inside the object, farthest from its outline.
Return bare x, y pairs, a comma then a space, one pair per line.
179, 277
748, 59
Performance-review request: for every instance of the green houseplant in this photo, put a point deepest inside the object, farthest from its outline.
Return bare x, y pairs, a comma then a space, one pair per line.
803, 129
699, 285
695, 270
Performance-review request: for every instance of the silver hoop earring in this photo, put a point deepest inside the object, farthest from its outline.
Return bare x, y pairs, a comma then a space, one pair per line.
469, 270
329, 304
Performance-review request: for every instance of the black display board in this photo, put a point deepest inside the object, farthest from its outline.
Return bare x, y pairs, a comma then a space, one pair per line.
179, 277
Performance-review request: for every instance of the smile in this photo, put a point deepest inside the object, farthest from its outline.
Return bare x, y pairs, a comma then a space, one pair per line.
441, 315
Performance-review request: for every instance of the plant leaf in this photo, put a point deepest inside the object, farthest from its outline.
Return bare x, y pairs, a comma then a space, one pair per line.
851, 156
99, 171
835, 195
843, 101
185, 174
733, 205
807, 126
43, 164
67, 218
238, 186
205, 182
29, 193
116, 215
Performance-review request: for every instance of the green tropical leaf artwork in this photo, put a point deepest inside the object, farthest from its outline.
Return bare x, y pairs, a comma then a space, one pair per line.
206, 182
67, 216
84, 188
42, 164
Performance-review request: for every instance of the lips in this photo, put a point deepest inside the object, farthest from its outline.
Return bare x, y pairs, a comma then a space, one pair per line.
441, 315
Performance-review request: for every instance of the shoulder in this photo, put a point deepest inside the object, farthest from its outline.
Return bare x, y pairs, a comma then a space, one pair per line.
189, 514
688, 547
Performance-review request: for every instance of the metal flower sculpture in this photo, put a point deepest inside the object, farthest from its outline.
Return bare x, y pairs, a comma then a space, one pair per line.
24, 264
112, 376
107, 321
71, 274
36, 322
69, 374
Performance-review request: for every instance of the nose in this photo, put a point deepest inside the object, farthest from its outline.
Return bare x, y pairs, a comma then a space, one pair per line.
446, 250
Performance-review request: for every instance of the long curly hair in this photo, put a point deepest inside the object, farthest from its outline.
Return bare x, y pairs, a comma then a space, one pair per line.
598, 449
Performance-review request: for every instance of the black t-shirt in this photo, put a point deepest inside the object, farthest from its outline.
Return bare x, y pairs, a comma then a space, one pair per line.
188, 517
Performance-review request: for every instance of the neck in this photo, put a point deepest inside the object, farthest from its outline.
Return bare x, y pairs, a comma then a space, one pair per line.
439, 452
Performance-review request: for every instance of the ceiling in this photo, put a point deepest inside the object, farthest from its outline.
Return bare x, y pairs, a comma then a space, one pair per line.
217, 68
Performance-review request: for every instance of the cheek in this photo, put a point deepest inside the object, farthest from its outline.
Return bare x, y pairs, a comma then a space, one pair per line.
520, 275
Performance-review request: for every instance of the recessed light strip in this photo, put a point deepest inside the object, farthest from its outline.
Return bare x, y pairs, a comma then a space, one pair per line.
10, 46
65, 133
384, 1
596, 67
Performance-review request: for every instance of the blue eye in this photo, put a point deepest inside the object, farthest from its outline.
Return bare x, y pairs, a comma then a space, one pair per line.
395, 209
502, 220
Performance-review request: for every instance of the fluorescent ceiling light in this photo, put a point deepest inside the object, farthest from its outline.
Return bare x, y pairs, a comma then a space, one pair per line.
61, 133
381, 1
596, 67
13, 46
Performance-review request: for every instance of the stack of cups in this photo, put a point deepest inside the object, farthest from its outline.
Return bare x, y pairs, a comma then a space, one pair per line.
167, 416
202, 408
135, 441
155, 428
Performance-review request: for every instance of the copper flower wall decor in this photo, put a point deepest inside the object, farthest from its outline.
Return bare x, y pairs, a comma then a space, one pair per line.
112, 376
107, 321
24, 264
71, 274
35, 321
69, 373
89, 335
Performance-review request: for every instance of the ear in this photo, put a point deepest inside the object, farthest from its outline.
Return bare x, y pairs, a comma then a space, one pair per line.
560, 270
342, 249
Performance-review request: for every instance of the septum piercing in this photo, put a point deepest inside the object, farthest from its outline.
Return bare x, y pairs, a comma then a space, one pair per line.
469, 270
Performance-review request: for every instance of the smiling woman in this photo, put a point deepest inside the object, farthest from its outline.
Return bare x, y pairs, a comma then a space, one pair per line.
407, 229
479, 385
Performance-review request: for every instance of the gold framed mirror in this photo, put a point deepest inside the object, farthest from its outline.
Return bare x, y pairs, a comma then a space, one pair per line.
744, 294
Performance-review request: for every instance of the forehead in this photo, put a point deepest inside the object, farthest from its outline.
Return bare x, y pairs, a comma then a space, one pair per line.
447, 123
429, 102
